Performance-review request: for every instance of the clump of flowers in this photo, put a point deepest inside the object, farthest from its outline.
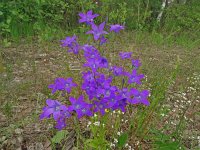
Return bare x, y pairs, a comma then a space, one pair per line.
98, 92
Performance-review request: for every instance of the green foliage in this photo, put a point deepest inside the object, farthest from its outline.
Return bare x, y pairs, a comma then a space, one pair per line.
163, 141
60, 135
184, 18
122, 139
26, 18
98, 138
47, 18
7, 109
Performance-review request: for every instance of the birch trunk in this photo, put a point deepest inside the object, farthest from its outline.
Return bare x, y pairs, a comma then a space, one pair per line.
164, 3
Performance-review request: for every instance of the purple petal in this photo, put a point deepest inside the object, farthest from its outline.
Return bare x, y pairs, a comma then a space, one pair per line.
101, 26
134, 91
81, 14
145, 102
94, 26
90, 32
145, 93
47, 113
72, 100
50, 102
56, 115
89, 12
81, 20
95, 15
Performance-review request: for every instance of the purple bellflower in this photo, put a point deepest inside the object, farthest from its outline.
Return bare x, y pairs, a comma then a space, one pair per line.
136, 63
121, 104
61, 84
96, 63
117, 71
54, 108
75, 48
82, 108
61, 123
138, 97
125, 55
103, 40
68, 41
72, 44
100, 106
88, 17
97, 31
90, 52
134, 77
116, 28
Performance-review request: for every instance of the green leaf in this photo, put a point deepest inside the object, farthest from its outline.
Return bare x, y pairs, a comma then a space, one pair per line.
60, 135
166, 146
92, 143
122, 139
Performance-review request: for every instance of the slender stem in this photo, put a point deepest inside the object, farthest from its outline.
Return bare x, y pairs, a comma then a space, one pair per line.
77, 128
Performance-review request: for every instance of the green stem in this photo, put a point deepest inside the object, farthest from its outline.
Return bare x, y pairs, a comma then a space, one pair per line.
77, 128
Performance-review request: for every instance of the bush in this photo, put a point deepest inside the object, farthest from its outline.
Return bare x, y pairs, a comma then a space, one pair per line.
184, 18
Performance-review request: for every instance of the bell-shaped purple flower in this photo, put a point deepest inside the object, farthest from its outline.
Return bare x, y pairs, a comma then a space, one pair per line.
136, 63
103, 40
54, 108
87, 17
134, 77
100, 106
90, 52
80, 106
61, 123
62, 84
121, 104
138, 97
68, 41
75, 48
117, 71
97, 31
116, 28
125, 55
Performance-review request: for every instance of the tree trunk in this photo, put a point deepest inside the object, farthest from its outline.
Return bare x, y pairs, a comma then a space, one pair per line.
164, 4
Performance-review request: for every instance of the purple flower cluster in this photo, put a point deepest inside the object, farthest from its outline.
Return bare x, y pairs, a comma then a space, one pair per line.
72, 44
98, 91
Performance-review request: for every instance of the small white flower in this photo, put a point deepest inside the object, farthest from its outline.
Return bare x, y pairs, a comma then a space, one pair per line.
138, 142
162, 115
97, 123
176, 106
112, 145
115, 140
89, 123
118, 133
130, 148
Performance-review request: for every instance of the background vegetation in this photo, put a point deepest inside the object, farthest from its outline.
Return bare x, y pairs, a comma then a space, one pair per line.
48, 19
